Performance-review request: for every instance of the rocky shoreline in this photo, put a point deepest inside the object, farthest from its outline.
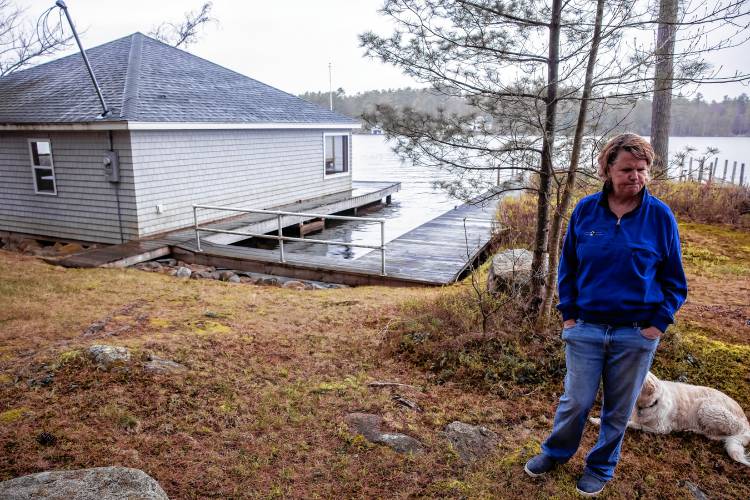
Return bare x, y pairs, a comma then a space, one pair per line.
172, 267
180, 269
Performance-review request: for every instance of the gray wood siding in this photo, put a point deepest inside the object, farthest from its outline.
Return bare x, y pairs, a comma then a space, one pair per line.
85, 206
238, 168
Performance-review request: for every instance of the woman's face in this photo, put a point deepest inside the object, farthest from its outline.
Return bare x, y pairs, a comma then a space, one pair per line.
628, 174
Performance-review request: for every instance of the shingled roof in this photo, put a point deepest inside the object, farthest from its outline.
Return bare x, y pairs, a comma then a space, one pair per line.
146, 81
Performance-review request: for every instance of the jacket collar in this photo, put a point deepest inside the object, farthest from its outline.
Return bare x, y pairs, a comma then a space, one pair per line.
607, 188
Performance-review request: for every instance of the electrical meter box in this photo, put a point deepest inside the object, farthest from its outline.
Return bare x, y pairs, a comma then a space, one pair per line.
111, 166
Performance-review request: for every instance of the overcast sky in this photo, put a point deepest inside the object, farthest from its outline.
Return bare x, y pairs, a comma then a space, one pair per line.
288, 43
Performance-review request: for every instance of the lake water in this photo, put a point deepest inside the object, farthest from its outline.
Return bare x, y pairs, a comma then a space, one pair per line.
730, 148
419, 201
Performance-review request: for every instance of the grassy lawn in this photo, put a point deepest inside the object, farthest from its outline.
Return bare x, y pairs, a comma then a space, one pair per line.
272, 372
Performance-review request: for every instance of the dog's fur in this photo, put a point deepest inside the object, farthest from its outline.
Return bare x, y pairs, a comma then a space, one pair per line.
663, 407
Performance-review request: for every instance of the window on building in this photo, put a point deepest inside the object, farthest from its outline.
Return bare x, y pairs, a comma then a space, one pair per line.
42, 166
336, 154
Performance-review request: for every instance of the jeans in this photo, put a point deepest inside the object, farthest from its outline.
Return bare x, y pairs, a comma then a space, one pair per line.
620, 358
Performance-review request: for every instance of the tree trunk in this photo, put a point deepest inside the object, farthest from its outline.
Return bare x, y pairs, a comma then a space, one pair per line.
538, 273
562, 207
662, 102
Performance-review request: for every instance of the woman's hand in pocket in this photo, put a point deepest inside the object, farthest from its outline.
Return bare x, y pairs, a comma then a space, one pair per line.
651, 333
569, 323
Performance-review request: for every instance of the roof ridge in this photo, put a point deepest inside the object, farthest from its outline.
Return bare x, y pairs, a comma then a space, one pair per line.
76, 52
132, 74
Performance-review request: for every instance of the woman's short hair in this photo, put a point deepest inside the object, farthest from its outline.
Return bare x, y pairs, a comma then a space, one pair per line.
632, 143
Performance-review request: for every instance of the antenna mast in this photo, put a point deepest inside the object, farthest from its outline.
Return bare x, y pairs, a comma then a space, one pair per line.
330, 87
61, 4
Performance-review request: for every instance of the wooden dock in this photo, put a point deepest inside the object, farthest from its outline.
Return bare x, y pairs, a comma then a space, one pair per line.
362, 193
133, 252
438, 252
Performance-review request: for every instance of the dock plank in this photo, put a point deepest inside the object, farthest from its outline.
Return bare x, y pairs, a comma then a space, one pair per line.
122, 255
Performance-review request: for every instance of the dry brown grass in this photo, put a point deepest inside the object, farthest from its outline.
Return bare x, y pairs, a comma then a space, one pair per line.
271, 374
707, 203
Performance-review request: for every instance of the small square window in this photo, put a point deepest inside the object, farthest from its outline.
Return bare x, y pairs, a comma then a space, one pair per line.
42, 166
336, 153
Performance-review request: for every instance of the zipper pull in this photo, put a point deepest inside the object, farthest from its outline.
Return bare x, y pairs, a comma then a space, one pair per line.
618, 221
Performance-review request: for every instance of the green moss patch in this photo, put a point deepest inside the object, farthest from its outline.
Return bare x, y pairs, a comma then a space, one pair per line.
10, 416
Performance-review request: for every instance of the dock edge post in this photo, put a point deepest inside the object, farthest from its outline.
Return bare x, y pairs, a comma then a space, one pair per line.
382, 248
281, 240
197, 233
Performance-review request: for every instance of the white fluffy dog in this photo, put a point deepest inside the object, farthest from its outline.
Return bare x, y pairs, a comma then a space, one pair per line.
663, 407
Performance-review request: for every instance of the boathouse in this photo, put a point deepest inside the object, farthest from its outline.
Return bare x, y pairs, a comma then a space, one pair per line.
180, 131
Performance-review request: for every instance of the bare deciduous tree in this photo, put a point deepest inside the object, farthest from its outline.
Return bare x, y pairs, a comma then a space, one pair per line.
21, 42
184, 33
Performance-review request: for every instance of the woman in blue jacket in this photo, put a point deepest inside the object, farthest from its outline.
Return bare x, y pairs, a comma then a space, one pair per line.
620, 283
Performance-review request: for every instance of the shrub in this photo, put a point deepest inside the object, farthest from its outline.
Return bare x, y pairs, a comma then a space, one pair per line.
517, 215
709, 203
443, 334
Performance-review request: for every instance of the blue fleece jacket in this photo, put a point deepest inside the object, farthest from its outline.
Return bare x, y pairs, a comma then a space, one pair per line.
622, 271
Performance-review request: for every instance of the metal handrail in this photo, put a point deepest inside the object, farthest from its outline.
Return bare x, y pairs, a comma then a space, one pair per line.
280, 214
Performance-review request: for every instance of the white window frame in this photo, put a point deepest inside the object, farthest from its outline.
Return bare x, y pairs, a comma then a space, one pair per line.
50, 167
348, 171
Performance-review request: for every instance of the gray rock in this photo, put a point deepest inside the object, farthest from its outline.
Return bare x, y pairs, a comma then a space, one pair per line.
149, 266
510, 271
13, 242
225, 275
234, 279
215, 275
202, 268
368, 425
201, 275
42, 381
694, 490
470, 441
107, 357
294, 285
158, 365
400, 443
167, 262
337, 285
100, 483
29, 246
268, 281
183, 272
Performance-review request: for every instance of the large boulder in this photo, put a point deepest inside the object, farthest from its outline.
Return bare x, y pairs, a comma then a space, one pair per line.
471, 442
163, 366
368, 425
100, 483
107, 357
510, 271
